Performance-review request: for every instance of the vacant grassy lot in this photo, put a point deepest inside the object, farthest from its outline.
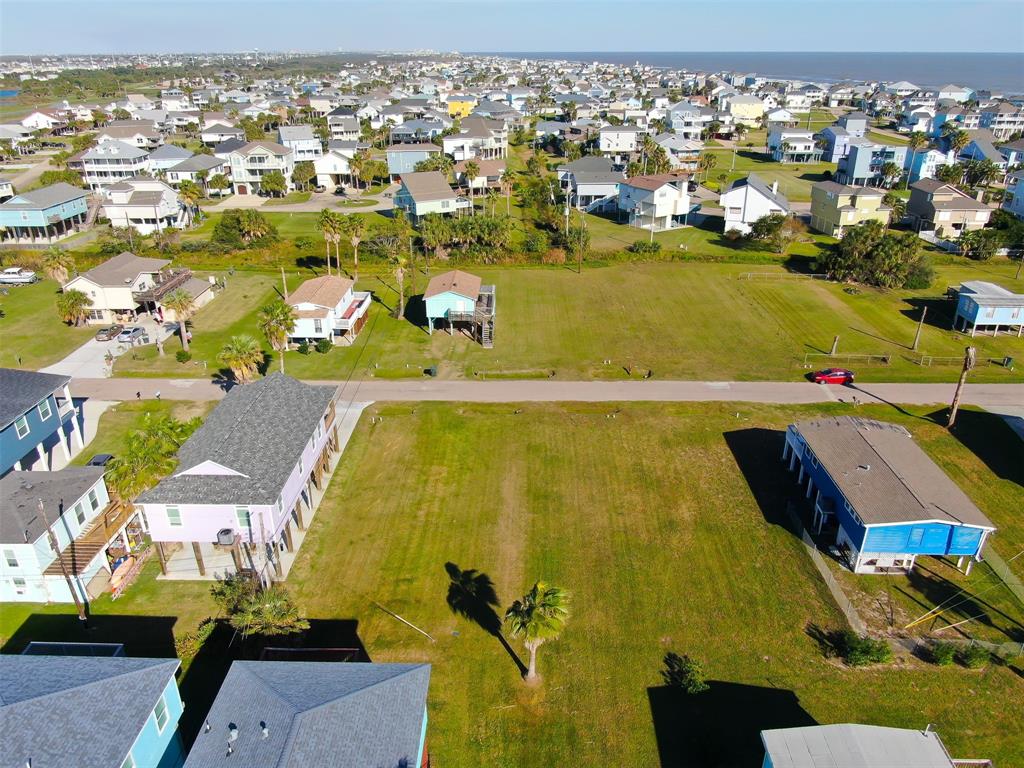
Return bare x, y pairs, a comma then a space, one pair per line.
30, 329
795, 179
666, 525
679, 320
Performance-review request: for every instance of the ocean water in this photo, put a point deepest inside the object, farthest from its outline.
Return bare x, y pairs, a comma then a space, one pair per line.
994, 71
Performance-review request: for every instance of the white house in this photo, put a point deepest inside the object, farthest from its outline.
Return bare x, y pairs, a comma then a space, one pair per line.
166, 157
682, 152
301, 140
197, 167
656, 202
793, 145
214, 133
327, 308
478, 137
620, 140
137, 135
747, 200
145, 205
45, 120
251, 161
344, 127
111, 162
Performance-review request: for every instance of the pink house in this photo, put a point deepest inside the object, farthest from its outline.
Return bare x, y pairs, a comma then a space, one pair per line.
246, 482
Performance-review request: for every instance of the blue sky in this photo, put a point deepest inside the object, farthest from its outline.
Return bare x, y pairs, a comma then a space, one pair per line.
111, 26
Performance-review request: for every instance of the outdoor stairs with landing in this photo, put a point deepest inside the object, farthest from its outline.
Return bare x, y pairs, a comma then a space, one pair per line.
80, 552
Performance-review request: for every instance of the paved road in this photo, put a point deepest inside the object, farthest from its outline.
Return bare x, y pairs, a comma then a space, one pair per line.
989, 395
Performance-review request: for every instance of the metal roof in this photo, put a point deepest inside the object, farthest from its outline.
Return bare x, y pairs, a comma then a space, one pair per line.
849, 745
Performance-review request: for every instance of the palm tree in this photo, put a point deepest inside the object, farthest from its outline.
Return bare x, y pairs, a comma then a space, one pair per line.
897, 206
435, 233
268, 612
72, 307
144, 462
253, 225
958, 140
242, 354
915, 141
219, 182
540, 615
354, 226
890, 173
706, 162
183, 305
327, 224
470, 173
58, 263
276, 320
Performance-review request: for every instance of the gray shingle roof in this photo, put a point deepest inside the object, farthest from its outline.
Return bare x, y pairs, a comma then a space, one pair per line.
20, 492
754, 182
885, 475
351, 715
46, 197
124, 267
588, 163
198, 163
425, 186
296, 133
92, 707
21, 390
170, 152
258, 430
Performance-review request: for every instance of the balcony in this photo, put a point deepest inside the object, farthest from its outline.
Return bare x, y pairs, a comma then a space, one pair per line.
166, 281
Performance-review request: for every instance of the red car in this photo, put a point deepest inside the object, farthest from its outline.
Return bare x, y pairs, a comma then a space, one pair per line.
832, 376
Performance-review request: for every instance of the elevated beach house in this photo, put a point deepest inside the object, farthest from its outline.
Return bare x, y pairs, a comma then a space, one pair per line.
885, 500
426, 192
44, 215
987, 306
747, 200
317, 713
326, 307
459, 298
89, 711
245, 481
36, 416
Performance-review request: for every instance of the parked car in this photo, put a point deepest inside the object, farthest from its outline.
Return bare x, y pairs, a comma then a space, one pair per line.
108, 333
100, 460
129, 335
17, 276
833, 376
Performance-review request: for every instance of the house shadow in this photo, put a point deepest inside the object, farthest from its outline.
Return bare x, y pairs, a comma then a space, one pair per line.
938, 590
990, 438
416, 311
940, 311
141, 636
471, 595
758, 454
720, 727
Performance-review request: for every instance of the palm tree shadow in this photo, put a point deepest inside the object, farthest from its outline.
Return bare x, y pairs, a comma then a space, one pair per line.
471, 594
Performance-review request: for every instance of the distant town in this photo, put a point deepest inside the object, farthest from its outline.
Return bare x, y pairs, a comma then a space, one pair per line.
412, 409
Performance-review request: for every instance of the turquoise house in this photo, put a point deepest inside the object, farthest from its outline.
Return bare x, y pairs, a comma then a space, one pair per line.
44, 215
110, 711
988, 306
459, 298
403, 158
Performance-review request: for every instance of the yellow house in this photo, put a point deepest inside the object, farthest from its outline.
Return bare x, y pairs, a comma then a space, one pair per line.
461, 105
837, 207
746, 109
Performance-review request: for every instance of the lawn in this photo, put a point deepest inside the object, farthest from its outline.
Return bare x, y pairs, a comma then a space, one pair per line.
289, 199
31, 334
665, 317
795, 179
665, 523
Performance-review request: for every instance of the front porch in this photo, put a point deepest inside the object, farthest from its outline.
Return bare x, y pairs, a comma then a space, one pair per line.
54, 231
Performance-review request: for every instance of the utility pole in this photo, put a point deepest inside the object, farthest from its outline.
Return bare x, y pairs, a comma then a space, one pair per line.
835, 346
64, 569
920, 326
970, 358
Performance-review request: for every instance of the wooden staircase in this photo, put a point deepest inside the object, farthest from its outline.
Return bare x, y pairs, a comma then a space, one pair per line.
80, 552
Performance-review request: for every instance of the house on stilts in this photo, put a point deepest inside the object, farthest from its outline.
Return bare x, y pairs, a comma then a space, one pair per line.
459, 298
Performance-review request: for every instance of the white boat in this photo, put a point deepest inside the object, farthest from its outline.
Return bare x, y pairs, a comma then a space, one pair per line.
17, 276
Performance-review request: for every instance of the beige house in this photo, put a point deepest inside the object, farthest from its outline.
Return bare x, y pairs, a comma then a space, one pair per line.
126, 285
837, 207
937, 206
250, 162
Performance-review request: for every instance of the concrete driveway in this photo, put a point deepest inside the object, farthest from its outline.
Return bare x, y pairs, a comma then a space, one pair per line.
89, 361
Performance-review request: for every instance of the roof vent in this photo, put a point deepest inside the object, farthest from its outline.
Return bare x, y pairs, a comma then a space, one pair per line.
232, 732
863, 467
264, 729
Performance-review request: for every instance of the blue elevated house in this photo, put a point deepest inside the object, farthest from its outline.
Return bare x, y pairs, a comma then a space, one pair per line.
403, 158
458, 297
887, 502
988, 306
316, 713
36, 415
89, 712
44, 215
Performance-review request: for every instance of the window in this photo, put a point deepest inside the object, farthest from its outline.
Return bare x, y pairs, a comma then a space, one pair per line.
21, 426
174, 517
129, 762
94, 501
916, 536
10, 558
318, 326
19, 585
44, 409
79, 513
161, 714
244, 518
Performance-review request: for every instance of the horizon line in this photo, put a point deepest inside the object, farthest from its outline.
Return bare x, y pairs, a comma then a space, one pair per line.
335, 52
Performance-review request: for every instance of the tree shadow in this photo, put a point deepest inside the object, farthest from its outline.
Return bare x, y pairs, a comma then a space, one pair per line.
937, 590
939, 311
471, 594
990, 438
720, 727
758, 453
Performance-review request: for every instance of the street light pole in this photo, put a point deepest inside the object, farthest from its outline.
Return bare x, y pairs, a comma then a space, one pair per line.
64, 569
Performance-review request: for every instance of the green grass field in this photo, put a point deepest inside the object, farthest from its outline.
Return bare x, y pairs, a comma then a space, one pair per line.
665, 523
795, 179
680, 320
31, 334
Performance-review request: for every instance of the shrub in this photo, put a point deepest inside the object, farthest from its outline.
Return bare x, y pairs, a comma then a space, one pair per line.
536, 241
943, 654
554, 256
860, 651
182, 356
303, 348
644, 246
684, 672
304, 243
323, 346
733, 235
920, 273
974, 657
188, 645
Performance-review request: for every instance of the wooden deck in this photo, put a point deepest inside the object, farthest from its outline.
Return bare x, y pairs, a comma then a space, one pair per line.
80, 552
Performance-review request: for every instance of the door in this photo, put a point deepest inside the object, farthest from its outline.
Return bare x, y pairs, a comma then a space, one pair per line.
242, 189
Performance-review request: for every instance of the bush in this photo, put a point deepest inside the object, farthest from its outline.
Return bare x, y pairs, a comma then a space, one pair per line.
323, 346
188, 645
920, 273
303, 348
554, 256
943, 654
733, 235
860, 651
974, 657
644, 246
536, 241
684, 672
304, 243
182, 356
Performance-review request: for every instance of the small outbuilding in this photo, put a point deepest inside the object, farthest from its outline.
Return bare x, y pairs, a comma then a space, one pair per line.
458, 297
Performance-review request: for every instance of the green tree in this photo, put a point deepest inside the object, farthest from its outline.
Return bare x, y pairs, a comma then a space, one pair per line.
242, 354
303, 174
327, 223
890, 173
354, 227
950, 174
122, 114
537, 617
274, 183
438, 161
183, 305
897, 205
58, 263
571, 150
268, 613
254, 226
577, 240
684, 673
219, 182
958, 140
73, 307
845, 261
47, 178
436, 233
980, 244
470, 174
276, 321
768, 228
149, 455
705, 162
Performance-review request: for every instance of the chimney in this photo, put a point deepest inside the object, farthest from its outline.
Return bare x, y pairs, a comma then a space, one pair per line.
775, 187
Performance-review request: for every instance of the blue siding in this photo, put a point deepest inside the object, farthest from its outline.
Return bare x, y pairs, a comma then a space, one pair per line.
823, 482
972, 307
13, 448
156, 749
39, 217
405, 162
440, 305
